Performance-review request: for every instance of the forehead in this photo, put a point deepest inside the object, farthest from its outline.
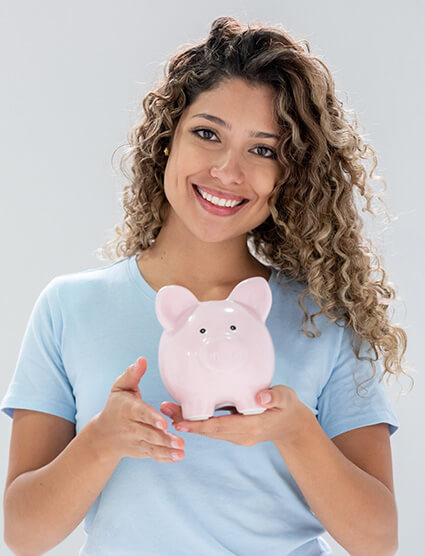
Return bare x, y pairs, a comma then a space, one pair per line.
235, 101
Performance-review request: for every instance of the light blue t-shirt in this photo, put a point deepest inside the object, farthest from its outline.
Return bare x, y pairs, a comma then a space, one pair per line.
87, 327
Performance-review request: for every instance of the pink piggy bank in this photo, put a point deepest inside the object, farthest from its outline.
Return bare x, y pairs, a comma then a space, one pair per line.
216, 353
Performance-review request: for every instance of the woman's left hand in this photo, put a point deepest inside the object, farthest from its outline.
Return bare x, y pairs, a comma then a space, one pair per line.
283, 420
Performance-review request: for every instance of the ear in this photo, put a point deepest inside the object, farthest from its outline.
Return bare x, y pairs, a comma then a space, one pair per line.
172, 303
255, 294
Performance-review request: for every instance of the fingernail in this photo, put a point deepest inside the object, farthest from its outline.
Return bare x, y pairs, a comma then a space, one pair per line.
161, 425
167, 412
265, 397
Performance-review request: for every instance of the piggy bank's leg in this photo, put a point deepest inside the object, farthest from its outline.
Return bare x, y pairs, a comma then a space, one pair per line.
247, 405
197, 410
252, 411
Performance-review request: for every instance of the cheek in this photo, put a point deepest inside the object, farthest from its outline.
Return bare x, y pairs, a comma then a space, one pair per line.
264, 191
190, 162
261, 209
176, 173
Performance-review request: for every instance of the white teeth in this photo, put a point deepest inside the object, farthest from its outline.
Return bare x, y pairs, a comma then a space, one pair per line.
218, 201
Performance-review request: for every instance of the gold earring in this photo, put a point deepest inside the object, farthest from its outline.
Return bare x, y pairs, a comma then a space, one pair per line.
166, 151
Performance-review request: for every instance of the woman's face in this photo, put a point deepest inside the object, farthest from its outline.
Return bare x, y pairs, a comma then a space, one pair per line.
225, 157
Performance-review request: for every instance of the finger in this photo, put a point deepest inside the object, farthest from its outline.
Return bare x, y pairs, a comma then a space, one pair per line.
130, 378
172, 410
223, 425
158, 441
144, 413
235, 437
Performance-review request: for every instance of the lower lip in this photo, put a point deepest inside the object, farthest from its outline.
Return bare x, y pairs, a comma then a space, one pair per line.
214, 209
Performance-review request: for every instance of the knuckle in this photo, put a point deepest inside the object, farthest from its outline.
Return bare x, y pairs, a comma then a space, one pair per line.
158, 439
143, 444
134, 411
149, 449
153, 418
152, 437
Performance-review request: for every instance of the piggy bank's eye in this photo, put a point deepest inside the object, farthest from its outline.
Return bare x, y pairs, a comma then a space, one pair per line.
232, 327
202, 331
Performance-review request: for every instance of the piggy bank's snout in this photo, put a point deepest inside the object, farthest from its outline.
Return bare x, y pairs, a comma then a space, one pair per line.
222, 355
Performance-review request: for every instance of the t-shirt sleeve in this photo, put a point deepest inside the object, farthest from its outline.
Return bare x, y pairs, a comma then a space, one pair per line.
343, 407
40, 381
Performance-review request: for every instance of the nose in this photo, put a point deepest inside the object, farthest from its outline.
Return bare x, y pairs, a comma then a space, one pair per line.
223, 355
228, 171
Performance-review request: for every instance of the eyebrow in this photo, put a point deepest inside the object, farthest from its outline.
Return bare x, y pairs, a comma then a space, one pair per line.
219, 121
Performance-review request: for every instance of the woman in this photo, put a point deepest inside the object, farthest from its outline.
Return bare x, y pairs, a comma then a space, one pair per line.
247, 116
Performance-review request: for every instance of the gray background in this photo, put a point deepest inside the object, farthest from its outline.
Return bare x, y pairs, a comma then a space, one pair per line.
73, 74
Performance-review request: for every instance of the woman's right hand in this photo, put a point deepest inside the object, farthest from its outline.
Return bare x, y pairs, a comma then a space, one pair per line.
127, 426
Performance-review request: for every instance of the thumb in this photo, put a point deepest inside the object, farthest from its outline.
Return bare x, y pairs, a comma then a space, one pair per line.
266, 397
130, 378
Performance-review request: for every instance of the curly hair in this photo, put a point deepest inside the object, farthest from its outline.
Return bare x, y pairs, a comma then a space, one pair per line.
313, 233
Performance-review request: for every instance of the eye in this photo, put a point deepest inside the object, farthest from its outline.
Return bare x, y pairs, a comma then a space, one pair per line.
195, 132
273, 153
232, 327
202, 331
201, 129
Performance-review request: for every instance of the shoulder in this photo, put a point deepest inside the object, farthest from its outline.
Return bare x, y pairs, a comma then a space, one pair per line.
84, 286
86, 277
291, 299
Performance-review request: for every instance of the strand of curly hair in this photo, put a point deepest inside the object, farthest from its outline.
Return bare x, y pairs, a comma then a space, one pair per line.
313, 234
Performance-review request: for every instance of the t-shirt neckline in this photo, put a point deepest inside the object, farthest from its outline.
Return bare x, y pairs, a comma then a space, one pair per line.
138, 279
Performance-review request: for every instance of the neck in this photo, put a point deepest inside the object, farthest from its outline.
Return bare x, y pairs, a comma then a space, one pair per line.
179, 257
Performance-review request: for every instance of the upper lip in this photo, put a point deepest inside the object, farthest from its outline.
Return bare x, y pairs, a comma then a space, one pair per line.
221, 194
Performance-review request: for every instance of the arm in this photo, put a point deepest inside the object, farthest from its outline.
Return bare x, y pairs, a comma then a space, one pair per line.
356, 508
43, 506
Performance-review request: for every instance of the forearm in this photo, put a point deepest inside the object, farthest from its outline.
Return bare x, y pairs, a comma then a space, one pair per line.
42, 507
354, 507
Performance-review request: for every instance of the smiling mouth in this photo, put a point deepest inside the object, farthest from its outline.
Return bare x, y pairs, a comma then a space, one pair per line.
221, 206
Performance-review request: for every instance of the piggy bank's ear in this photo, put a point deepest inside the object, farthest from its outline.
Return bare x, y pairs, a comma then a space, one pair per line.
171, 303
255, 294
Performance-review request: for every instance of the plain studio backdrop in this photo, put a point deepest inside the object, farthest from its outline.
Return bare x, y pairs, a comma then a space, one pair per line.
73, 74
